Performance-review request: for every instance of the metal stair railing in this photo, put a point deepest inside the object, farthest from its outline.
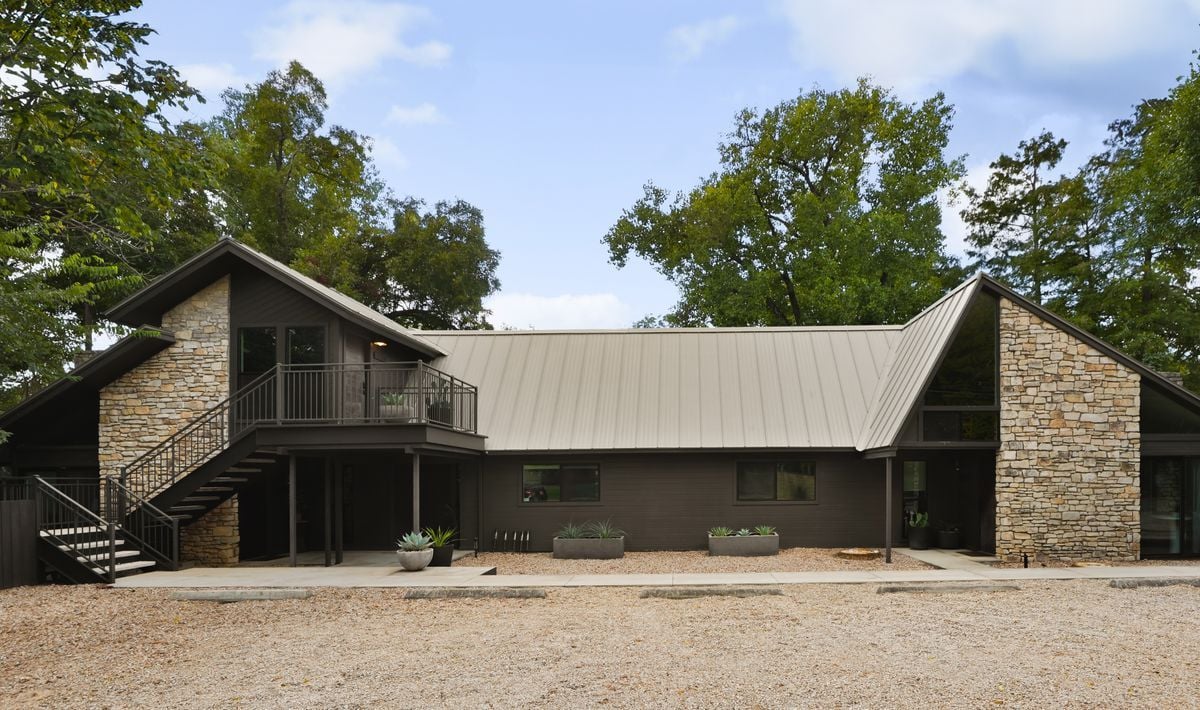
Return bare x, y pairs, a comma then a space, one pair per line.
59, 517
202, 438
152, 530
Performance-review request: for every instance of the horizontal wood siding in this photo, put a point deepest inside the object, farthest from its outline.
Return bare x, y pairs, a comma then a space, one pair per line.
669, 501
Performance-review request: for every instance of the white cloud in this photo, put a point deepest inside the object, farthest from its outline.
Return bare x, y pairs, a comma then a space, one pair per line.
337, 41
425, 113
911, 43
952, 205
212, 79
687, 42
388, 153
587, 310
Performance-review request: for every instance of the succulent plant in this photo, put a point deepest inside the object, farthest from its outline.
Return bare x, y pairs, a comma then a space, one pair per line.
604, 529
764, 530
440, 537
720, 531
744, 532
572, 531
414, 542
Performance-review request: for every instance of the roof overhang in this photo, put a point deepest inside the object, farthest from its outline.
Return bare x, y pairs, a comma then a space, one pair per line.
148, 304
102, 369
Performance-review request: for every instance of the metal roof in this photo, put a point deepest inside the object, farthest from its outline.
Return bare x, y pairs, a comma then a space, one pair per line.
918, 351
708, 388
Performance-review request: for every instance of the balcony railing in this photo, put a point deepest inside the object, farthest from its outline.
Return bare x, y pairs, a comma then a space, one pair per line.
358, 393
322, 394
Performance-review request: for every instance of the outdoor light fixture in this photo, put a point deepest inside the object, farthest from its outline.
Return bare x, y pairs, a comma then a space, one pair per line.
379, 343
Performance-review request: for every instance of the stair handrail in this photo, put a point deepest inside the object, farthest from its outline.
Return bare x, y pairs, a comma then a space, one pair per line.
83, 518
203, 440
153, 531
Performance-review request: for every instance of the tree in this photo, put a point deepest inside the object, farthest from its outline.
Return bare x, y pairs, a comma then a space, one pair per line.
824, 210
431, 269
87, 157
1024, 225
286, 184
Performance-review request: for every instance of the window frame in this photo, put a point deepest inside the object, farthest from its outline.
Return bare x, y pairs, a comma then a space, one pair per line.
561, 503
738, 468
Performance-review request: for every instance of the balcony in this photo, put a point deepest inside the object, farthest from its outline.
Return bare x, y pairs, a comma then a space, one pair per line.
357, 393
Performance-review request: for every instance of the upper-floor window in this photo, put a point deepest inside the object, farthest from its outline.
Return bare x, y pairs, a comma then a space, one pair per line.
967, 375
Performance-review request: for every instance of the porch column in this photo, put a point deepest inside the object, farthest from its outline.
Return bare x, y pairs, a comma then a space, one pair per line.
328, 511
887, 535
416, 492
338, 473
292, 508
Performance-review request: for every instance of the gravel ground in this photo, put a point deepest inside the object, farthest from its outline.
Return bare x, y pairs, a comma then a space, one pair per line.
1061, 644
793, 559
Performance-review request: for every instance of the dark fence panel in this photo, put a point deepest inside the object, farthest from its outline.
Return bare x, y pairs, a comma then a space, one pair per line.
18, 543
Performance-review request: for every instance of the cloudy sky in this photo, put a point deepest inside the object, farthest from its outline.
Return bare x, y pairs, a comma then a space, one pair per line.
551, 115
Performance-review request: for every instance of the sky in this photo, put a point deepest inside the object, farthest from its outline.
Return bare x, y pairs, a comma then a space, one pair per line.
551, 116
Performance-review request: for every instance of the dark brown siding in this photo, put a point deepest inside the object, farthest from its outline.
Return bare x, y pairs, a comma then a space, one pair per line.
670, 500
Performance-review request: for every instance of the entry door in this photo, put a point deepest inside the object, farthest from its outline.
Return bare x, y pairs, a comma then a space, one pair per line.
1171, 507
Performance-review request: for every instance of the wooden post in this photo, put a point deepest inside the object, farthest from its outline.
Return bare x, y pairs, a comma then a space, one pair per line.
416, 492
337, 511
887, 537
292, 509
328, 511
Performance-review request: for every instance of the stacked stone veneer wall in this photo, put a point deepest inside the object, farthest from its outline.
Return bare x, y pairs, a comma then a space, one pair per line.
1067, 472
158, 397
213, 540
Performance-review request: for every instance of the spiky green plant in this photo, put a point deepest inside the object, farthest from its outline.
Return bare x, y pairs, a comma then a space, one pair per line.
572, 531
721, 531
764, 530
440, 537
604, 529
414, 542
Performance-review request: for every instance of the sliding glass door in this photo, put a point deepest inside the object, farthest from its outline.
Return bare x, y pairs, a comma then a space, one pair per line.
1171, 507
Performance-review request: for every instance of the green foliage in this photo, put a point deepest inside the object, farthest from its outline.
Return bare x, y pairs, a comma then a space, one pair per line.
764, 530
440, 537
414, 542
744, 532
824, 210
918, 520
604, 529
721, 531
572, 531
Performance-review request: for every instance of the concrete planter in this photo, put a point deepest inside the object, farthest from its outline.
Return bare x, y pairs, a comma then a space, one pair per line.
744, 545
415, 561
590, 548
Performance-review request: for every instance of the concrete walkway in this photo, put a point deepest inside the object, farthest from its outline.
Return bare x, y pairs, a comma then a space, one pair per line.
376, 576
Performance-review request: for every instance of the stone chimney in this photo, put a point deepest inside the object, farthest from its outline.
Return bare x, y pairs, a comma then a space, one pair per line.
1175, 378
83, 356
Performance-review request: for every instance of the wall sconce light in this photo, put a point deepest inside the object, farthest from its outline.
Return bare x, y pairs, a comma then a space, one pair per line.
379, 343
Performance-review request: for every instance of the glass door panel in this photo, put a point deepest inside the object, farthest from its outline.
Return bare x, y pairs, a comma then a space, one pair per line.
1171, 507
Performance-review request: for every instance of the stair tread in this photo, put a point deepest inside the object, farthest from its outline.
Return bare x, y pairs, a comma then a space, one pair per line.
243, 469
201, 498
121, 554
80, 530
259, 460
88, 545
126, 566
186, 507
226, 479
214, 489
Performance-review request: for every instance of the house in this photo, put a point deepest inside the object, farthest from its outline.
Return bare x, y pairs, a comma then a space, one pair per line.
257, 413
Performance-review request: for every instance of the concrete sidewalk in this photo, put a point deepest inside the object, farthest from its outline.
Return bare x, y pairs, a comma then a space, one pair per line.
311, 577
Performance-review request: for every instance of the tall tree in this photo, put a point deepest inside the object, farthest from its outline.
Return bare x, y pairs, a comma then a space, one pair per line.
1024, 223
88, 159
824, 210
287, 181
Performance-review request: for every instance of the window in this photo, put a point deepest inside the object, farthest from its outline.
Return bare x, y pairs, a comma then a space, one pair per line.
306, 345
256, 350
967, 375
560, 483
794, 481
962, 426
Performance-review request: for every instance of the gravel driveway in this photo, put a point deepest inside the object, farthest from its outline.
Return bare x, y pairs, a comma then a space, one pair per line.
1047, 645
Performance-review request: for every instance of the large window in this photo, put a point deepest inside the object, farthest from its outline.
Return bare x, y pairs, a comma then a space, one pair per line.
793, 481
306, 345
560, 483
967, 375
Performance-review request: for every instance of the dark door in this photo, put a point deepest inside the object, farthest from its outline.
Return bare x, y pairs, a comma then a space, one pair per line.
1171, 507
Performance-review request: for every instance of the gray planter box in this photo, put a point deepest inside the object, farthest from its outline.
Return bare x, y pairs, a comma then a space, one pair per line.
744, 546
609, 548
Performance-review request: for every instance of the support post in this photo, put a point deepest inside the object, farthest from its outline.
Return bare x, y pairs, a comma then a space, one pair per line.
416, 491
328, 511
292, 509
887, 535
339, 472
